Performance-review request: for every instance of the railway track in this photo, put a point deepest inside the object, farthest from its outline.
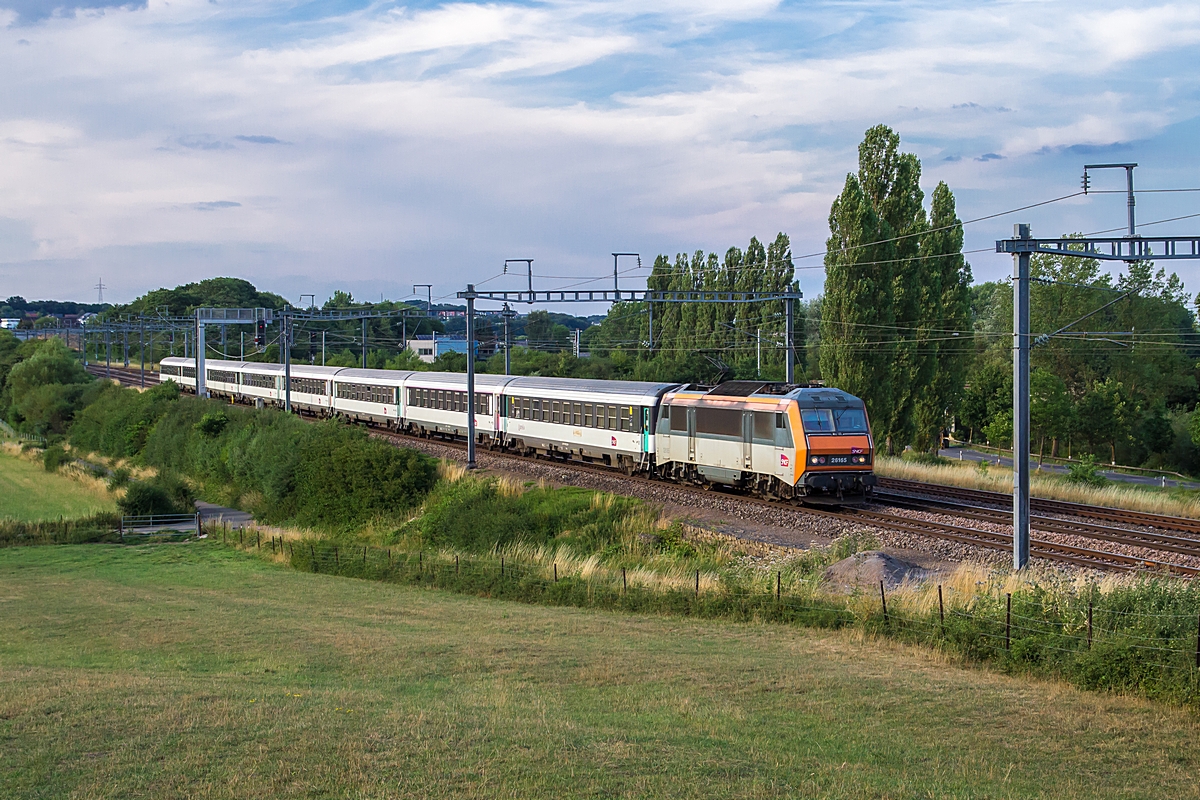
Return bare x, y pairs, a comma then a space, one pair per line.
906, 494
973, 498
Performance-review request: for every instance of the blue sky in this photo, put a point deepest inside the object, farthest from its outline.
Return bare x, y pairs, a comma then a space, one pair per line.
371, 146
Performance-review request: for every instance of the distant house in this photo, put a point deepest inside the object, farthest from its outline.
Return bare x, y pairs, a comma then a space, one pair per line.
429, 346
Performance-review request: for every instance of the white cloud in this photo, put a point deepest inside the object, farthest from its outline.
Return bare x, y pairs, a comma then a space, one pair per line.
467, 133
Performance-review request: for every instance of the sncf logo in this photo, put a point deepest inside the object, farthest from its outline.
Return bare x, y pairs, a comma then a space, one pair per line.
614, 441
783, 459
854, 451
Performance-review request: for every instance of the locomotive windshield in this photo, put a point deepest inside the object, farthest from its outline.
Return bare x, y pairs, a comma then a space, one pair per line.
828, 420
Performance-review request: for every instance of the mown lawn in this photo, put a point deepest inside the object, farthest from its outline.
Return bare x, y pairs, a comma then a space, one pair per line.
195, 671
29, 493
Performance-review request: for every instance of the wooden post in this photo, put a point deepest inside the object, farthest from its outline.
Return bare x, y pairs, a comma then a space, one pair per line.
337, 560
778, 585
501, 566
456, 565
1089, 624
697, 583
883, 601
1007, 620
312, 551
556, 572
420, 562
258, 540
941, 609
624, 582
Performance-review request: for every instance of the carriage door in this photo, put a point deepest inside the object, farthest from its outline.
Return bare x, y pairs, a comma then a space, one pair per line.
747, 439
691, 432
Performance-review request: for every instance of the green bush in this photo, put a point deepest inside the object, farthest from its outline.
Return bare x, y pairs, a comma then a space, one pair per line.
1084, 472
328, 475
212, 424
118, 478
54, 457
165, 494
146, 498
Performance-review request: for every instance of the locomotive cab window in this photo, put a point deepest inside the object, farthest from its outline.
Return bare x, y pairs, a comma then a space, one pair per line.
678, 419
817, 420
850, 420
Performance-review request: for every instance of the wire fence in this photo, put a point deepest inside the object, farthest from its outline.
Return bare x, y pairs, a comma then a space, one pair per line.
1087, 638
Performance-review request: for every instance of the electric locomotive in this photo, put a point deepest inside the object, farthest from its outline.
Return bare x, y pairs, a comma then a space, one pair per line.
776, 440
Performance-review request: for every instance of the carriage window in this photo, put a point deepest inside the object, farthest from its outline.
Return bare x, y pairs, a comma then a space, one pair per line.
577, 414
612, 418
587, 415
678, 419
556, 412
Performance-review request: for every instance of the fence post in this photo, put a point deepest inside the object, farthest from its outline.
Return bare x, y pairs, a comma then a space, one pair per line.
624, 582
556, 572
501, 566
941, 610
420, 562
337, 560
198, 528
697, 583
1089, 624
389, 557
456, 565
313, 552
1007, 620
883, 602
778, 585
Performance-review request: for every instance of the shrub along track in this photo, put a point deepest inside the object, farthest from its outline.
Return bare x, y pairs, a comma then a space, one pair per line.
906, 494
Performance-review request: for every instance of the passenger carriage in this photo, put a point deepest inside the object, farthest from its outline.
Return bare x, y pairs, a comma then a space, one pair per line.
610, 422
436, 402
368, 395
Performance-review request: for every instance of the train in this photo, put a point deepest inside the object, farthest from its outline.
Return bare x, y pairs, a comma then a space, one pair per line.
803, 443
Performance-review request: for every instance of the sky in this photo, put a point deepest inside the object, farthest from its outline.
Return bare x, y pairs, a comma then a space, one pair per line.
314, 146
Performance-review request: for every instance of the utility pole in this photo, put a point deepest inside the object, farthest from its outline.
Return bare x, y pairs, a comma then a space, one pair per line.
528, 262
285, 334
428, 287
1021, 345
470, 297
508, 314
201, 377
1129, 248
364, 335
142, 350
758, 353
788, 305
322, 348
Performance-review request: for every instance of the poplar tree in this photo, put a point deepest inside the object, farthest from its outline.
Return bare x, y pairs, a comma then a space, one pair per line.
857, 311
949, 341
891, 182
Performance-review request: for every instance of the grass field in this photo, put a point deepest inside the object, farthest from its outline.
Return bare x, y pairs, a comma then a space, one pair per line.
195, 671
29, 493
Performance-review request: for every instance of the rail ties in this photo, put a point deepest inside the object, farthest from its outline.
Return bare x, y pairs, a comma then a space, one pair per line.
1153, 540
1044, 506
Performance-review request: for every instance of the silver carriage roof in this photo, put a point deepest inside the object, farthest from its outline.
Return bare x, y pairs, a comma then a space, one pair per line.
457, 380
632, 389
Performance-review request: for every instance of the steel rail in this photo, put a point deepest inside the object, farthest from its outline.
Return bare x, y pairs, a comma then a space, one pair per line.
1045, 506
1125, 536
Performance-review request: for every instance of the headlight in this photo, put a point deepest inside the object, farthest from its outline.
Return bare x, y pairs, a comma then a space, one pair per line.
813, 460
